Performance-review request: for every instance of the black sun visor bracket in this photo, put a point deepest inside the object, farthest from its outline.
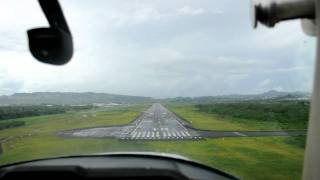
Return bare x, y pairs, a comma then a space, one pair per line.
271, 12
51, 45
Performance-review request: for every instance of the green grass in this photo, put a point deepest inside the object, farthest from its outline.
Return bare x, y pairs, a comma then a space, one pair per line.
11, 124
209, 121
248, 158
50, 124
288, 114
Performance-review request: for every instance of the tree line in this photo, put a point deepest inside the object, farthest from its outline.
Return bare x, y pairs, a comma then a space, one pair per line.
11, 124
283, 111
13, 112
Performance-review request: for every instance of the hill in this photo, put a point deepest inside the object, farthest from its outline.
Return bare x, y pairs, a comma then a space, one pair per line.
269, 95
72, 98
69, 98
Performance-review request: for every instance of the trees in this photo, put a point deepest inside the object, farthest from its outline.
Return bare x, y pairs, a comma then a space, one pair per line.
12, 112
279, 111
11, 124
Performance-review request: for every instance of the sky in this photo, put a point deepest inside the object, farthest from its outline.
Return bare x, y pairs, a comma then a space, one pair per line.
159, 48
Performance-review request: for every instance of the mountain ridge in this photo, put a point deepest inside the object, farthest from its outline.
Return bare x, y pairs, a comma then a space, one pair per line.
77, 98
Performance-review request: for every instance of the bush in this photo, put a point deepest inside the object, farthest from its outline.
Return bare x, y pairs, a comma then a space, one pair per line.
12, 112
284, 111
11, 124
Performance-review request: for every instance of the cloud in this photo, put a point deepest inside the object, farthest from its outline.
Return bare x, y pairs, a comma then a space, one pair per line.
265, 83
139, 16
158, 48
8, 83
190, 11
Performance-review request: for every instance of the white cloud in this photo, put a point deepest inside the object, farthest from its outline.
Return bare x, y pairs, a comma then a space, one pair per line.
190, 11
265, 83
157, 48
138, 16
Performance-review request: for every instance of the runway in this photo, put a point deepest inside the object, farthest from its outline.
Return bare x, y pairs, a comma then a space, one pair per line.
159, 123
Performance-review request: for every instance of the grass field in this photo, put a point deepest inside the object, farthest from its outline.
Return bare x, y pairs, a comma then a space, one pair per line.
208, 121
36, 138
248, 158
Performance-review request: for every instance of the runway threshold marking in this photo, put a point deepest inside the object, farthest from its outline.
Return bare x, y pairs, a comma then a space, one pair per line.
139, 134
187, 132
169, 134
174, 134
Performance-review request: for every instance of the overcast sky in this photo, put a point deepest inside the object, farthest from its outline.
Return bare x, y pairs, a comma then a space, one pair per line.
163, 48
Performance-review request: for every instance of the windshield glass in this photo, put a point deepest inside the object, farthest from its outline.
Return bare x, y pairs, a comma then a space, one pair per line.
191, 78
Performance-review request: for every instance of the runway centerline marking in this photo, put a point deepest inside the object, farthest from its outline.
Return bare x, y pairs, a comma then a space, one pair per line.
157, 122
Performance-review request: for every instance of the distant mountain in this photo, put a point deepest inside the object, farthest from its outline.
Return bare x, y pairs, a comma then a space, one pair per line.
272, 94
69, 98
269, 95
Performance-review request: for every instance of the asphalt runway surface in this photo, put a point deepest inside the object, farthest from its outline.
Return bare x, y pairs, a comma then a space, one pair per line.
158, 123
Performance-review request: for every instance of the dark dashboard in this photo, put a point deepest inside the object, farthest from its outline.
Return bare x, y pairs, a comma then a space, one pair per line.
118, 166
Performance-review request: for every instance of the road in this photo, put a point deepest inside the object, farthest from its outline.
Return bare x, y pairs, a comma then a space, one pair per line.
158, 123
